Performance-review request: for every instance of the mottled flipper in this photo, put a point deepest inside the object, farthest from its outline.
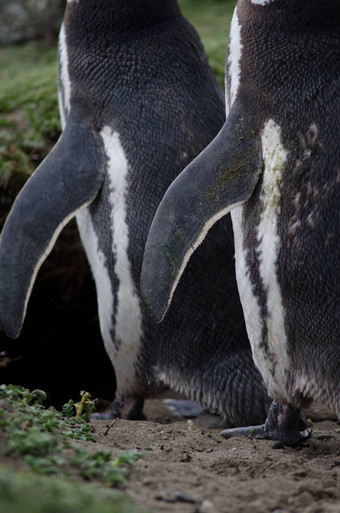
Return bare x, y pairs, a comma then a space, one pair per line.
68, 178
222, 177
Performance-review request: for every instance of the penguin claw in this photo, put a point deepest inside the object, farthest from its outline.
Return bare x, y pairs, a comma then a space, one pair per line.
284, 423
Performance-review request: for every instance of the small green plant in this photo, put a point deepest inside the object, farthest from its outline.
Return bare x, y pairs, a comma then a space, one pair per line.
82, 410
43, 436
101, 466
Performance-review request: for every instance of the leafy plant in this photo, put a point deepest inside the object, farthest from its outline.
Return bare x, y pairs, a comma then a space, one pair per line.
81, 410
100, 465
44, 437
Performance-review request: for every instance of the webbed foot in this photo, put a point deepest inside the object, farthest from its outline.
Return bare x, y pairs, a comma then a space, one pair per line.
284, 423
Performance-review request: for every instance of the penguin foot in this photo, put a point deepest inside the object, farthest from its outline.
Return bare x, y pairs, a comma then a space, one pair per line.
202, 418
284, 423
129, 409
183, 407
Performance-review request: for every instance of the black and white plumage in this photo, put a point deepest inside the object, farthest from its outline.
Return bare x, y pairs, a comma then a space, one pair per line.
138, 102
275, 165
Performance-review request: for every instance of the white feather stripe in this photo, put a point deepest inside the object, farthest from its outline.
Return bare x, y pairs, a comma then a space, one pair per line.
249, 301
128, 322
275, 157
101, 276
64, 95
234, 58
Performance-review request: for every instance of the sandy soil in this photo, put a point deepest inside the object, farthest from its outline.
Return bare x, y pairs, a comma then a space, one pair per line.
193, 470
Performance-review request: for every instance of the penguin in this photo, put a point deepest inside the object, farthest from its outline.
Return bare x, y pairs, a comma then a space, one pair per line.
275, 165
138, 102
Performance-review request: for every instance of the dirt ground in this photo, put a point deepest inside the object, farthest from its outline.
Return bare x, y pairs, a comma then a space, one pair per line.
187, 469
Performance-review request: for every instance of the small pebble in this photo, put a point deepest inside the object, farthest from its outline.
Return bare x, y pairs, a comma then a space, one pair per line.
192, 426
207, 507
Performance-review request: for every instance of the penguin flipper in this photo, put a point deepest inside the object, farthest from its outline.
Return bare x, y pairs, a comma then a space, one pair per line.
222, 177
67, 179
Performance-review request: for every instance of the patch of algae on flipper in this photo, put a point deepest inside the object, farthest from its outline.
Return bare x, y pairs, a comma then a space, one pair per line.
239, 167
224, 177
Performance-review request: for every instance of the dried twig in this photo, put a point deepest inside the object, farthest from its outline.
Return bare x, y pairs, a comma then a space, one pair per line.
110, 426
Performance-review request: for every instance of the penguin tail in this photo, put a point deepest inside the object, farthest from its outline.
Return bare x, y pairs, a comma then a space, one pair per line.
68, 179
222, 177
